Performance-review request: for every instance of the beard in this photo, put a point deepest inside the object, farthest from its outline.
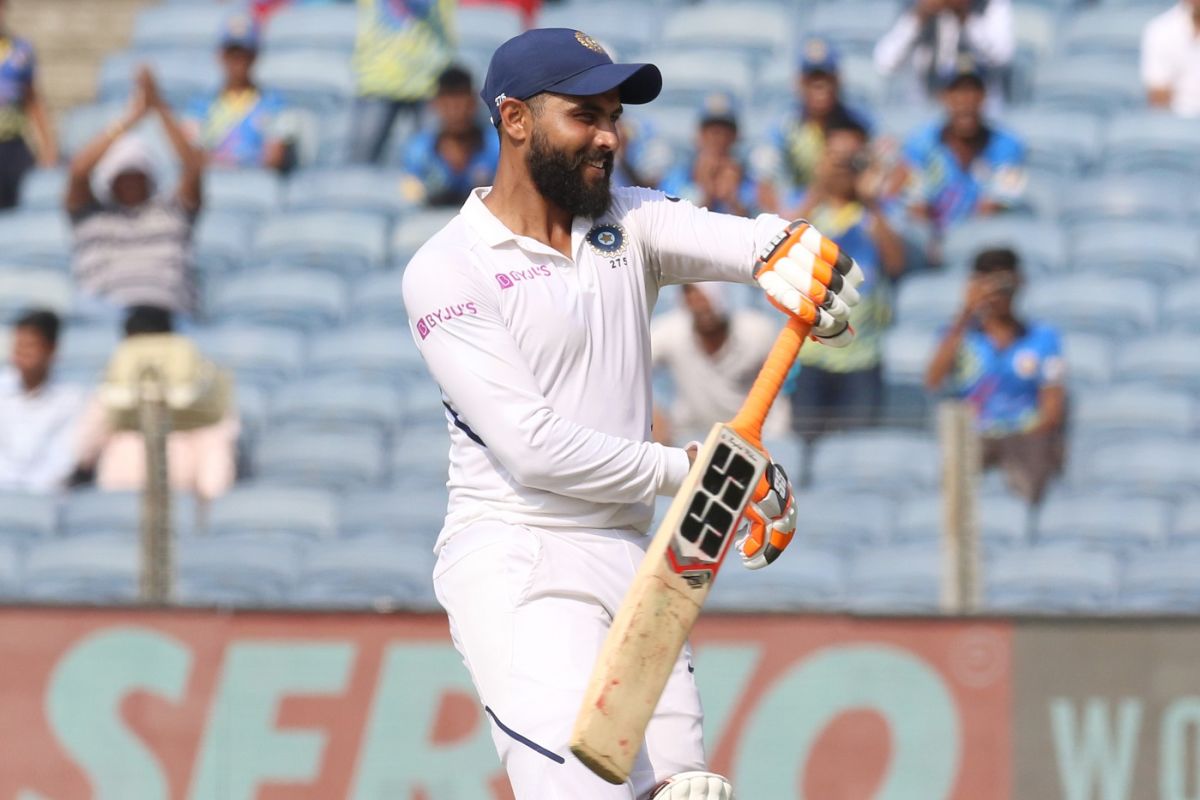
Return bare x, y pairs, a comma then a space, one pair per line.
559, 178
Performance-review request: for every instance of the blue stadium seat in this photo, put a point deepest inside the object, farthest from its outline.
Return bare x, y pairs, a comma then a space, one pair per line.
83, 352
10, 571
1066, 143
257, 569
408, 511
366, 189
420, 461
314, 79
378, 298
22, 289
27, 516
302, 299
182, 74
384, 352
1135, 408
1094, 303
415, 229
690, 77
97, 513
1113, 198
256, 354
1162, 582
338, 404
43, 189
339, 241
1041, 245
1153, 142
1051, 579
1002, 521
752, 30
1160, 467
221, 242
1185, 526
803, 578
242, 191
273, 511
844, 520
854, 27
1166, 250
89, 569
318, 459
1091, 84
252, 405
331, 26
170, 27
423, 404
895, 579
1105, 521
35, 239
627, 27
380, 571
1089, 358
1166, 360
928, 300
486, 26
1113, 33
1181, 306
884, 460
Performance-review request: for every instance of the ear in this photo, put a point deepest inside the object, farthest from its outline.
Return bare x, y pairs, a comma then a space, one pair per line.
516, 119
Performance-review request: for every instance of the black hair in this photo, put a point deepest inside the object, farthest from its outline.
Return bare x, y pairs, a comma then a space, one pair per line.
45, 322
997, 259
454, 80
147, 319
845, 122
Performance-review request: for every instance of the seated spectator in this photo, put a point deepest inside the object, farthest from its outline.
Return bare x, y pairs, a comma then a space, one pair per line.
131, 245
1011, 371
714, 176
1171, 59
38, 415
795, 145
444, 164
236, 126
962, 166
200, 460
839, 388
20, 101
712, 355
401, 49
927, 40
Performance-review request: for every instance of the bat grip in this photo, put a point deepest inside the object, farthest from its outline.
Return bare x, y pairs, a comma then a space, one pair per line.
753, 413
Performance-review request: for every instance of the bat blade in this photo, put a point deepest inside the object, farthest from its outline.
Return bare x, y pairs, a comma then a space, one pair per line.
663, 603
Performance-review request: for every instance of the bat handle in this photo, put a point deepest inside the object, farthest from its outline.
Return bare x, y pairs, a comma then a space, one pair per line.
753, 413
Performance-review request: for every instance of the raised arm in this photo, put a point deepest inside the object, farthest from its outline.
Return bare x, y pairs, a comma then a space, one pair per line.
191, 158
43, 131
79, 189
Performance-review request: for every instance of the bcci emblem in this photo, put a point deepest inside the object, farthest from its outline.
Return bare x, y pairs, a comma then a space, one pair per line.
607, 239
588, 42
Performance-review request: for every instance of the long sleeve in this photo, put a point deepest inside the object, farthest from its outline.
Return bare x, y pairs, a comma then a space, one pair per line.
893, 47
991, 36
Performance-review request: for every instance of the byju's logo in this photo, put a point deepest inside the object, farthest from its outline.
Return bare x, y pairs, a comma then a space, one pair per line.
504, 281
428, 322
422, 328
509, 279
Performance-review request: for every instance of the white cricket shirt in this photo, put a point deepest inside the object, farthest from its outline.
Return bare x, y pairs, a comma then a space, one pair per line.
1171, 58
544, 360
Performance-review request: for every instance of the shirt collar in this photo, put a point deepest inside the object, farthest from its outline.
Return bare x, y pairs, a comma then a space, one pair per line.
493, 232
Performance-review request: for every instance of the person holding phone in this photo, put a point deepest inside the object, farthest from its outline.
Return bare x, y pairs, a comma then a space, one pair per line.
1012, 372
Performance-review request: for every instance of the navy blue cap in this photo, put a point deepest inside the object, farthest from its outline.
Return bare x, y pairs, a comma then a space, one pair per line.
240, 30
965, 67
721, 107
565, 61
818, 54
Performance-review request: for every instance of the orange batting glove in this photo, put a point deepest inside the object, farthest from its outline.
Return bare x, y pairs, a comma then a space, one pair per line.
770, 517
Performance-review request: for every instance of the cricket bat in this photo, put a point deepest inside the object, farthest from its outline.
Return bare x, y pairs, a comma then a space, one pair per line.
676, 575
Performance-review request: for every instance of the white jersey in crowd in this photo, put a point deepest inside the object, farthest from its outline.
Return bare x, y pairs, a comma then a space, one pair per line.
544, 361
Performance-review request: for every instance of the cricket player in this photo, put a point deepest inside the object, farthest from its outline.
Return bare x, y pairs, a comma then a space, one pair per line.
531, 309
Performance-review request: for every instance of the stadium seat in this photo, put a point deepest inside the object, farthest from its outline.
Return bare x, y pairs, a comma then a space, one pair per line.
690, 77
1089, 358
1093, 303
1041, 246
26, 516
1002, 521
242, 191
1162, 582
1105, 521
385, 352
1114, 33
10, 571
316, 26
379, 571
854, 27
1166, 360
407, 511
256, 354
182, 74
99, 513
221, 242
895, 580
415, 229
1153, 142
887, 461
252, 405
301, 299
171, 27
314, 79
43, 189
1185, 525
338, 404
486, 26
23, 289
803, 578
626, 27
751, 30
254, 509
423, 404
35, 239
1043, 580
257, 569
366, 189
1181, 306
96, 568
377, 298
842, 520
83, 352
421, 461
1164, 250
1163, 466
927, 301
1065, 143
318, 459
1091, 84
339, 241
1113, 198
1136, 409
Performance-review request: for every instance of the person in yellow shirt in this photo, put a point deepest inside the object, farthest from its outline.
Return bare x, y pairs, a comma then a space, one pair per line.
20, 102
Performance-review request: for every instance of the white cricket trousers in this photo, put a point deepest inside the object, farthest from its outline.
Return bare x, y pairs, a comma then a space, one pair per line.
529, 609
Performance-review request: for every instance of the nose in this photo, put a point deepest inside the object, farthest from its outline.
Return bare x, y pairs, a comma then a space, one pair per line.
607, 138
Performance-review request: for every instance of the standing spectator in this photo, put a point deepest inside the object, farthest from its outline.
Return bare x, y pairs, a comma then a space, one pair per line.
842, 387
714, 176
444, 164
1012, 372
1171, 59
928, 39
402, 48
131, 246
961, 166
20, 101
236, 126
38, 416
712, 355
794, 147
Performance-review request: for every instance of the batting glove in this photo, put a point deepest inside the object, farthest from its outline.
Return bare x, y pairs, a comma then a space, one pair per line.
770, 518
809, 277
693, 786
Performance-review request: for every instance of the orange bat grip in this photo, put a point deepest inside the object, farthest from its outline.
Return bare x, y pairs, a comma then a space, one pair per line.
750, 417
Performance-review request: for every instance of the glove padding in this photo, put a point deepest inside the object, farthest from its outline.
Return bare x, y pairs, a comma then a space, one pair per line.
770, 518
693, 786
809, 277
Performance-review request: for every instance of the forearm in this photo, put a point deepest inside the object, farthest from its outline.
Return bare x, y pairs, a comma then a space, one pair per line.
79, 192
43, 131
891, 246
895, 45
191, 158
946, 354
1051, 408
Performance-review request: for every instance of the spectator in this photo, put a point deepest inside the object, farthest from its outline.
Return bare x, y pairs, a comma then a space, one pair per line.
843, 387
131, 246
237, 126
20, 101
961, 166
402, 48
714, 176
795, 145
712, 355
38, 415
443, 165
200, 460
1012, 372
928, 39
1171, 59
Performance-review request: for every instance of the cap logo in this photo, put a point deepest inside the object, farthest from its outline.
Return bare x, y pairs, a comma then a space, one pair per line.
500, 98
816, 50
588, 42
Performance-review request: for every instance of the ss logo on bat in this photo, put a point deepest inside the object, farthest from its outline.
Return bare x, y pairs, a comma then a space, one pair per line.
713, 513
